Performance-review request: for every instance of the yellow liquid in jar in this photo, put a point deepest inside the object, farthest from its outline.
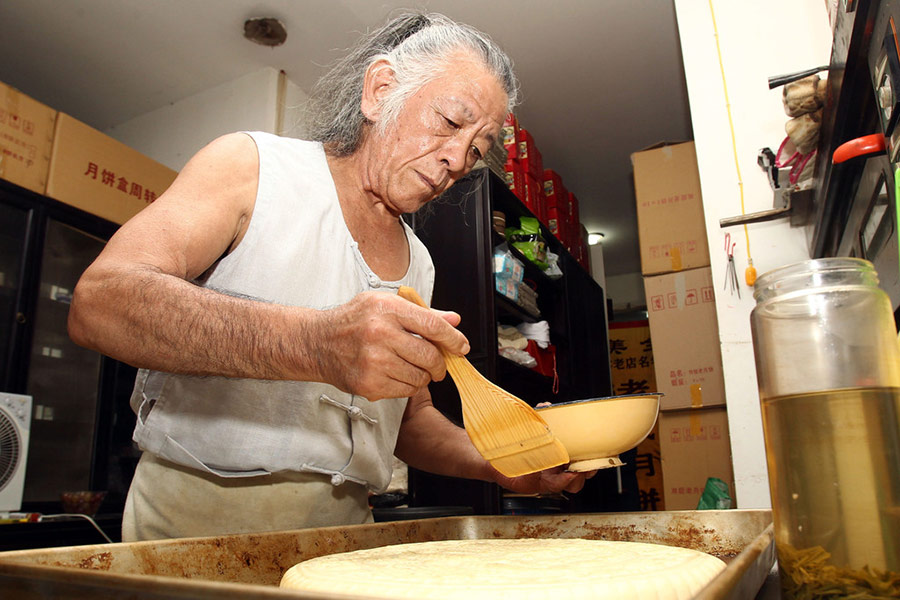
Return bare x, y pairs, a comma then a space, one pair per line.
834, 474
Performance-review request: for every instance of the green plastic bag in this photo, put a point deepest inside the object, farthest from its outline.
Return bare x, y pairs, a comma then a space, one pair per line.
529, 241
715, 495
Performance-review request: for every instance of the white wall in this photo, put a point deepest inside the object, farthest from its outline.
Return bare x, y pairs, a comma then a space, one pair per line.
598, 267
626, 291
172, 134
757, 39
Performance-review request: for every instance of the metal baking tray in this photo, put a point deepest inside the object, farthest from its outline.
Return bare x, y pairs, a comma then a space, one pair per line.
251, 565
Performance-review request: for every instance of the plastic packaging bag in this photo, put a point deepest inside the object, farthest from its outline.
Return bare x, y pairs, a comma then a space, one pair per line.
553, 271
715, 495
528, 240
506, 265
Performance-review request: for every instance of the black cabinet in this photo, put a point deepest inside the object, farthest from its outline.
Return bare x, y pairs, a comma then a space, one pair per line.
457, 229
80, 435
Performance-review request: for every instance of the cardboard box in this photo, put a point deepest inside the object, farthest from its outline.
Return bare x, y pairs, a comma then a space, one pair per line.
26, 138
694, 445
671, 225
100, 175
686, 350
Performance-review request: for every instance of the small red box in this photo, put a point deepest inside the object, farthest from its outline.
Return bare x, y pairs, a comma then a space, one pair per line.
554, 189
509, 136
529, 155
553, 220
574, 217
515, 179
535, 197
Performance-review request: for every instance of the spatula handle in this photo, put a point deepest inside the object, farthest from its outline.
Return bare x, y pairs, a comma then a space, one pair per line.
412, 295
454, 363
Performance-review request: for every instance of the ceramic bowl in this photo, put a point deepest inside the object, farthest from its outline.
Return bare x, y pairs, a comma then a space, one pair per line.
597, 430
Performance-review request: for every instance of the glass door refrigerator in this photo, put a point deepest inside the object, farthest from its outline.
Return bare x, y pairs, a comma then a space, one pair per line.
80, 432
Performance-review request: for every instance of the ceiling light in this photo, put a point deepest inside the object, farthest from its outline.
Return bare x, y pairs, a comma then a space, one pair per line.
265, 31
595, 237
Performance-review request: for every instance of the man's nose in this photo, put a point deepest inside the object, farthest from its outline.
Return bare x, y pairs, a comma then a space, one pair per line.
455, 153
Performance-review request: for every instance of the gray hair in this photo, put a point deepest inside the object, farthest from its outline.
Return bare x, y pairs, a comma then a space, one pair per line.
418, 47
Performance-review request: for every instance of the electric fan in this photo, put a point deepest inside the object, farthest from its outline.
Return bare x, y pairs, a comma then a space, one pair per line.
15, 422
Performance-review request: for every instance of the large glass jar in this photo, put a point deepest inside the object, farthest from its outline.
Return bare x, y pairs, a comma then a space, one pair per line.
828, 365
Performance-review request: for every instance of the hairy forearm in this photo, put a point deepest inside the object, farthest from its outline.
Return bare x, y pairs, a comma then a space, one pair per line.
149, 319
430, 442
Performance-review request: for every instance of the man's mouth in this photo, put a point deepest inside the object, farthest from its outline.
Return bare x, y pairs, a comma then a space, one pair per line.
429, 182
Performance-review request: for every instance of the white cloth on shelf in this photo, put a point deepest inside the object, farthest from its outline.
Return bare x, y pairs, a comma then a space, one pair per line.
539, 332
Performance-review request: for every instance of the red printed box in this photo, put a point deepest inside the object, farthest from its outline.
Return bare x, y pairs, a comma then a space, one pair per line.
555, 191
509, 136
553, 221
681, 307
529, 155
515, 179
535, 198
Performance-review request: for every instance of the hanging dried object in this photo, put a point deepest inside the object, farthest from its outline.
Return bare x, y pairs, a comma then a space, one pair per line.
265, 31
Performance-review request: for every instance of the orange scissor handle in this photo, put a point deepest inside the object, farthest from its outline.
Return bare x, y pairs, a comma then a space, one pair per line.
867, 144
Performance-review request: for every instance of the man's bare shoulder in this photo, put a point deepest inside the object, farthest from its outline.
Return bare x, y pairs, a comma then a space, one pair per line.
235, 152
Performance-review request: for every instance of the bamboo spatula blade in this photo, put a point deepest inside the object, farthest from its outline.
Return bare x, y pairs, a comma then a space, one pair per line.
506, 431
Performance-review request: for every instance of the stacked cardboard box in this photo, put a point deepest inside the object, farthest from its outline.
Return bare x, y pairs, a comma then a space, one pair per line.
683, 323
26, 138
100, 175
671, 226
54, 154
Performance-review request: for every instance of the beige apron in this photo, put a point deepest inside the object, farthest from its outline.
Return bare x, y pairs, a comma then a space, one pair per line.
169, 501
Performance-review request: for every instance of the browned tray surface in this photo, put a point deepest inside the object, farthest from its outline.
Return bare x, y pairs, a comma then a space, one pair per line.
251, 565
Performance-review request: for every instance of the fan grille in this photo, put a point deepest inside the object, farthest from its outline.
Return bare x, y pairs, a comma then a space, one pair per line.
10, 447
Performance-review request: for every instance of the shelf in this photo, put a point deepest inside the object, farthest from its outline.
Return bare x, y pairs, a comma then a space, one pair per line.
512, 309
524, 383
531, 270
460, 237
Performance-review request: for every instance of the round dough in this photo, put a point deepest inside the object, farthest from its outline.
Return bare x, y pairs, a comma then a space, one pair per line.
519, 569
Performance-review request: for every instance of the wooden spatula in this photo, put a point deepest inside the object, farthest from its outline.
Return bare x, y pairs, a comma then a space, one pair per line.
504, 429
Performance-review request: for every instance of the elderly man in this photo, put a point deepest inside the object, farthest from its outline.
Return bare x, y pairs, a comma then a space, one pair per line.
277, 376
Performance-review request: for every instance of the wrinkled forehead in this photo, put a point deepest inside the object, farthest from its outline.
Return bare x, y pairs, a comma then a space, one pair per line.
473, 89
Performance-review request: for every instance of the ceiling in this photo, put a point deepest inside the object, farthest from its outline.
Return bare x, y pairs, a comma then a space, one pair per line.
600, 78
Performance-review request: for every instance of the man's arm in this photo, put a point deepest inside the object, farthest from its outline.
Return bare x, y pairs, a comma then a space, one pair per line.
136, 303
430, 442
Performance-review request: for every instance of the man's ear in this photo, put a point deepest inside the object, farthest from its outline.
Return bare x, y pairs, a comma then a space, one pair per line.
377, 83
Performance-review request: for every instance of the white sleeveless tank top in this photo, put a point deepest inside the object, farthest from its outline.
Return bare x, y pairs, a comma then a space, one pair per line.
297, 251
